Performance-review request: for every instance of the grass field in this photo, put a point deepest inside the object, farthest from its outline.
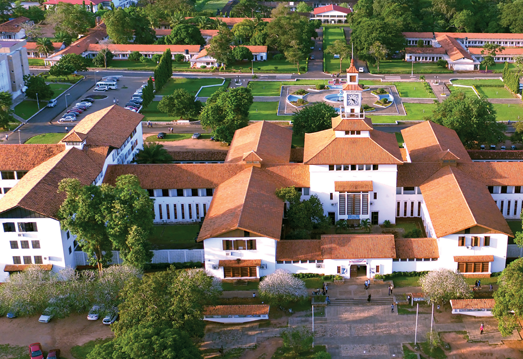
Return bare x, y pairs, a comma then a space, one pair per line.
494, 92
191, 85
228, 286
406, 281
478, 82
404, 67
151, 113
170, 137
265, 111
499, 67
287, 353
175, 237
331, 34
36, 62
208, 91
45, 139
467, 90
269, 66
69, 78
81, 351
212, 5
505, 112
59, 89
272, 88
415, 112
149, 66
28, 108
413, 89
515, 226
399, 139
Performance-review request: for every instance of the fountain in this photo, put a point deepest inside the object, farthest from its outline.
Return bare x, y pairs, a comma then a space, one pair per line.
335, 97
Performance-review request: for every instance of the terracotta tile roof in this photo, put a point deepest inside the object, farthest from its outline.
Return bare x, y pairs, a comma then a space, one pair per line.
14, 25
293, 174
31, 46
507, 51
448, 156
253, 49
352, 87
327, 8
81, 45
420, 35
231, 21
468, 259
272, 143
74, 2
415, 174
456, 202
495, 155
253, 309
99, 127
453, 48
247, 202
21, 267
304, 249
352, 69
404, 156
427, 140
348, 124
162, 32
37, 190
417, 248
176, 176
357, 246
211, 33
118, 48
472, 303
324, 147
482, 35
425, 50
495, 173
73, 136
353, 186
26, 157
240, 263
251, 157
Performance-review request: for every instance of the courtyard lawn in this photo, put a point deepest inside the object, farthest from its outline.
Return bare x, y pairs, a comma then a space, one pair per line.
273, 88
59, 89
69, 78
404, 67
406, 281
266, 111
213, 5
415, 112
374, 83
494, 92
467, 90
45, 139
331, 34
494, 82
298, 141
413, 90
484, 281
506, 112
208, 91
191, 85
498, 68
179, 236
288, 353
170, 137
152, 114
268, 66
36, 62
133, 65
313, 283
242, 285
28, 108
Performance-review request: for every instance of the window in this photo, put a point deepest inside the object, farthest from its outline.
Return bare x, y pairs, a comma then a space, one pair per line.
461, 241
24, 244
405, 205
501, 206
246, 234
486, 241
160, 211
234, 272
227, 245
9, 227
183, 211
508, 208
165, 193
6, 190
419, 209
151, 192
68, 234
14, 244
338, 167
475, 241
179, 192
16, 260
409, 190
503, 189
398, 209
332, 196
368, 167
515, 208
412, 209
35, 244
346, 167
361, 167
398, 190
375, 167
517, 189
470, 267
70, 250
204, 209
306, 191
190, 211
194, 192
168, 210
38, 259
175, 212
375, 195
239, 245
491, 189
27, 260
353, 167
467, 231
331, 167
208, 192
251, 244
197, 211
20, 174
8, 175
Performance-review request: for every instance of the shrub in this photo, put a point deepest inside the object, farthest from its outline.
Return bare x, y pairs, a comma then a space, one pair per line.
442, 63
278, 57
338, 277
135, 56
306, 275
299, 339
275, 68
156, 58
385, 101
379, 276
300, 92
328, 278
303, 68
320, 87
145, 60
415, 233
387, 224
381, 91
179, 58
301, 102
282, 288
420, 43
203, 67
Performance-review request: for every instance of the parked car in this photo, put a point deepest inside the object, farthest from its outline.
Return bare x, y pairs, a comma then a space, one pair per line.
137, 99
512, 147
492, 147
35, 351
132, 104
94, 313
312, 57
46, 316
67, 119
53, 354
101, 88
52, 103
161, 135
361, 69
111, 78
75, 110
85, 103
136, 104
81, 107
482, 147
503, 148
138, 92
88, 99
110, 318
196, 135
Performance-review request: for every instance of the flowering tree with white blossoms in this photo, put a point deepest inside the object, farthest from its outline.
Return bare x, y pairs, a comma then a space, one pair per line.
282, 287
443, 284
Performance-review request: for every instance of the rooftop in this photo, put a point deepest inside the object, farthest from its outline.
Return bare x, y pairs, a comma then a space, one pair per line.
14, 25
323, 9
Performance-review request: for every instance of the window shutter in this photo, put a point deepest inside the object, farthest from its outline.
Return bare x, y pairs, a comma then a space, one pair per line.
461, 241
486, 241
484, 267
461, 267
338, 270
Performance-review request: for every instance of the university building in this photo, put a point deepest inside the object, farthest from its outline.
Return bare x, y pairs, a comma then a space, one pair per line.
356, 171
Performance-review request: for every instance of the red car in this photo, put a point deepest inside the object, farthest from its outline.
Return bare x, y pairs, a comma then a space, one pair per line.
77, 110
53, 354
35, 351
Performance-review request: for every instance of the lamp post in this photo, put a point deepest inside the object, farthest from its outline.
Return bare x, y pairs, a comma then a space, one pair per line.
313, 325
68, 94
412, 70
416, 330
252, 67
19, 139
37, 101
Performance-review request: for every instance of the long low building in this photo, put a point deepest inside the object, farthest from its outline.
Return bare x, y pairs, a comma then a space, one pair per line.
122, 52
259, 53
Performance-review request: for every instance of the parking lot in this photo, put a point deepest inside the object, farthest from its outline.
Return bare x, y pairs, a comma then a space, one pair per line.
126, 88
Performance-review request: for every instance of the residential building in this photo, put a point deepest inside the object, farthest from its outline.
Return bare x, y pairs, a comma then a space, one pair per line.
259, 53
331, 14
206, 34
13, 29
33, 53
92, 5
13, 66
122, 52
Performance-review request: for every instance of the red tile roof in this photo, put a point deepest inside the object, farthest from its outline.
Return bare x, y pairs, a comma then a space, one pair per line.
14, 25
26, 157
357, 246
453, 48
417, 248
74, 2
302, 249
81, 45
425, 50
353, 186
352, 69
253, 309
323, 9
349, 124
352, 87
472, 303
73, 136
506, 52
482, 35
475, 259
118, 48
419, 35
31, 46
240, 263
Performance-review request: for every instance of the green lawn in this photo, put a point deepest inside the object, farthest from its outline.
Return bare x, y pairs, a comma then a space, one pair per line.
179, 236
268, 66
151, 113
59, 89
406, 281
148, 66
287, 353
494, 92
81, 351
298, 141
407, 226
415, 112
467, 90
208, 91
213, 5
243, 285
273, 88
45, 139
313, 283
413, 89
266, 111
331, 34
28, 108
498, 68
36, 62
170, 137
13, 352
409, 354
478, 82
70, 78
191, 85
484, 281
399, 138
404, 67
507, 112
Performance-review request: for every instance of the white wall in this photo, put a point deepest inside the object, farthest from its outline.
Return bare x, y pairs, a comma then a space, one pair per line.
503, 199
415, 266
5, 82
192, 216
385, 266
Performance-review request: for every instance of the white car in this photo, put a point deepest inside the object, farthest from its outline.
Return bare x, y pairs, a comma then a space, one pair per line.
101, 88
46, 316
94, 313
361, 69
67, 119
110, 318
85, 103
52, 103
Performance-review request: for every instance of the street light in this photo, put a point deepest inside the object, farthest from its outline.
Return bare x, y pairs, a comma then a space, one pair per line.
37, 101
313, 324
252, 67
68, 94
412, 71
19, 140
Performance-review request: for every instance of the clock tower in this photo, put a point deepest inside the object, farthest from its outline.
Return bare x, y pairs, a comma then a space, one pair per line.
352, 92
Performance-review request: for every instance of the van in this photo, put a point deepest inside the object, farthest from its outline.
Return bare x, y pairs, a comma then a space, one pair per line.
110, 84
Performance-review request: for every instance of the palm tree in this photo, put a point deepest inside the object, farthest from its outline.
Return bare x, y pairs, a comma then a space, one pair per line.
63, 37
366, 225
176, 19
44, 46
153, 153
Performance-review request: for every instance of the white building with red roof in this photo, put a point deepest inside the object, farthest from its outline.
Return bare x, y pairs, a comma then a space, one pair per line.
92, 5
259, 53
331, 14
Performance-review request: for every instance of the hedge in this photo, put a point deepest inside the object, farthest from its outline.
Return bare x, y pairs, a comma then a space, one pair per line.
164, 266
511, 79
400, 274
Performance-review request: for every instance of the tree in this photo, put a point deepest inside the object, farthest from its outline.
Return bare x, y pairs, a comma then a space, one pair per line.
488, 61
292, 30
464, 21
44, 46
6, 113
163, 71
490, 49
250, 8
243, 31
34, 13
74, 20
294, 54
181, 103
378, 51
339, 48
103, 58
148, 93
135, 56
143, 31
443, 284
511, 16
282, 288
32, 31
63, 37
518, 62
220, 47
153, 153
61, 69
5, 10
227, 111
303, 7
473, 119
508, 297
184, 34
280, 10
313, 118
365, 223
299, 339
36, 85
77, 61
119, 26
442, 63
242, 53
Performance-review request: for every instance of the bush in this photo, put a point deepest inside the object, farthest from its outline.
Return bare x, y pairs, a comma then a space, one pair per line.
300, 92
328, 278
145, 60
278, 57
282, 288
299, 339
442, 63
380, 91
203, 67
306, 275
135, 56
387, 224
156, 58
338, 277
301, 102
415, 233
164, 266
179, 58
379, 276
320, 87
303, 68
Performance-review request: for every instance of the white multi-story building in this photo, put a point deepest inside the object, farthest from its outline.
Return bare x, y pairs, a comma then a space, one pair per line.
14, 65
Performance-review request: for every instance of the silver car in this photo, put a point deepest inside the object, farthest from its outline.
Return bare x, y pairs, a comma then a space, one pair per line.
94, 313
110, 318
46, 316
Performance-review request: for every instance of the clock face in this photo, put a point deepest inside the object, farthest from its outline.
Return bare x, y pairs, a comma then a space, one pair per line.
353, 100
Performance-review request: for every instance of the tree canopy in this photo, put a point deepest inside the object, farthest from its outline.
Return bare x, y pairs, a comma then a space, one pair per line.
292, 30
119, 26
153, 153
69, 18
180, 104
6, 113
77, 61
444, 284
509, 297
473, 119
340, 48
220, 47
313, 118
36, 86
282, 288
185, 34
103, 58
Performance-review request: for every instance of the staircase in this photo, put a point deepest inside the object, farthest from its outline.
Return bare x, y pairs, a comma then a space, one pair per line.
343, 302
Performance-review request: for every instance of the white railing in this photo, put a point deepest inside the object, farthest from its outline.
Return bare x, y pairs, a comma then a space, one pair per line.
159, 256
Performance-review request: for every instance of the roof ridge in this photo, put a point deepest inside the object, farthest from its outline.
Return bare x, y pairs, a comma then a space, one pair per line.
245, 195
462, 194
324, 147
384, 149
434, 133
256, 147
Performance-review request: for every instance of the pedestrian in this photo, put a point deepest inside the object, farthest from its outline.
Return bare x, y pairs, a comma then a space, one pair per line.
481, 328
66, 129
390, 290
479, 283
326, 289
491, 288
476, 283
253, 294
6, 137
392, 308
368, 283
365, 284
114, 99
328, 300
368, 298
408, 299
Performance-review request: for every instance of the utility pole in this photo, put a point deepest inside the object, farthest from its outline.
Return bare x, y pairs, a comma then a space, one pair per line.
416, 330
37, 101
313, 325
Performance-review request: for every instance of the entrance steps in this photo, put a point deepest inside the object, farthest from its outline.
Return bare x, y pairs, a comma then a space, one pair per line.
339, 302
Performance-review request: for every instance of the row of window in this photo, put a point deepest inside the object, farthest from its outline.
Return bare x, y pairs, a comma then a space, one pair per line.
236, 272
27, 260
473, 267
239, 244
22, 227
408, 190
304, 261
415, 259
509, 208
181, 213
474, 241
353, 167
408, 211
191, 192
353, 204
504, 189
25, 244
11, 175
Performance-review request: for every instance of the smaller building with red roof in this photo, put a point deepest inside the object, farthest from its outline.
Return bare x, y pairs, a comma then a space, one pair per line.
331, 14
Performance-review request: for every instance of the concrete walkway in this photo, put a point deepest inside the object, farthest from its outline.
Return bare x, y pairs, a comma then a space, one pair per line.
511, 101
440, 89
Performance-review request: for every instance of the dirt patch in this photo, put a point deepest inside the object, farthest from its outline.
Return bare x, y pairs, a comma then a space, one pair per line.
59, 333
460, 348
265, 349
